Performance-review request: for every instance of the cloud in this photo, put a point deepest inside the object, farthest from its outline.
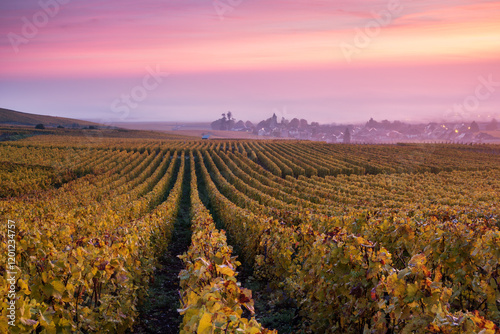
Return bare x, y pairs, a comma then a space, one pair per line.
263, 55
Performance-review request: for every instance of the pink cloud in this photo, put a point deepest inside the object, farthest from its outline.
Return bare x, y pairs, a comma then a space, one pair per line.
85, 37
260, 56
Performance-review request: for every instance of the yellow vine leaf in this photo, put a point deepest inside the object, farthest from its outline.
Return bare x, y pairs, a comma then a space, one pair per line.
205, 324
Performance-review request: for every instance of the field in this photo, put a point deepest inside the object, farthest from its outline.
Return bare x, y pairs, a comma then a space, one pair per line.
330, 238
188, 129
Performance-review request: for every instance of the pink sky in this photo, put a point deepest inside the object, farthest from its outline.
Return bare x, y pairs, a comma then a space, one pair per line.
327, 61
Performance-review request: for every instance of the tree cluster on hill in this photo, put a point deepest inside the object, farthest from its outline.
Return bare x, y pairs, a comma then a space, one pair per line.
226, 122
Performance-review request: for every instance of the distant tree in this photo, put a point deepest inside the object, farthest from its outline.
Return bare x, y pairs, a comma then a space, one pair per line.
303, 123
231, 121
216, 125
40, 126
372, 124
398, 125
294, 123
474, 127
386, 124
60, 126
226, 122
239, 125
92, 127
492, 126
347, 136
220, 124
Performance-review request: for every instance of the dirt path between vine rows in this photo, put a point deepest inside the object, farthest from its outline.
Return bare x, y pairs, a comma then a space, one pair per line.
159, 312
274, 309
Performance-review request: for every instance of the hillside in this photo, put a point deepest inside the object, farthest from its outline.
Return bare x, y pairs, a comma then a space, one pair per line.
12, 117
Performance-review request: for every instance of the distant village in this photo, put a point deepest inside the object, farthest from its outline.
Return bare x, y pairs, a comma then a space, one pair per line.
371, 132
